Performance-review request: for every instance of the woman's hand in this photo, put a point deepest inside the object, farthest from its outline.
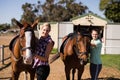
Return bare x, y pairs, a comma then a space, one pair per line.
35, 56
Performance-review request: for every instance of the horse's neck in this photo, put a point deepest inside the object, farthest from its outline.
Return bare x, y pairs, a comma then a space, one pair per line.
34, 43
17, 49
12, 43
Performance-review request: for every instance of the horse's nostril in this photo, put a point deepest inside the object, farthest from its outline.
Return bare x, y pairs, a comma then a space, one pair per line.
28, 61
81, 61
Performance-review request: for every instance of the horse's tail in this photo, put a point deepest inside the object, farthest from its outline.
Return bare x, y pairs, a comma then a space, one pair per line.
55, 57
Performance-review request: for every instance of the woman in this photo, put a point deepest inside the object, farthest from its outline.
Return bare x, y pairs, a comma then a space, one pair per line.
95, 60
44, 48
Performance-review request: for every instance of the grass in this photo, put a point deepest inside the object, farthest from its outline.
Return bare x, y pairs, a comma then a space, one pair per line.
111, 60
108, 60
54, 50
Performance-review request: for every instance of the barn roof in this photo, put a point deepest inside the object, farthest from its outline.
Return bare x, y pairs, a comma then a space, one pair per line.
89, 19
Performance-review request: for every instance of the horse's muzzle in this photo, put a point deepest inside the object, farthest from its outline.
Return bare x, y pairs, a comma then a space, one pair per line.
84, 62
28, 60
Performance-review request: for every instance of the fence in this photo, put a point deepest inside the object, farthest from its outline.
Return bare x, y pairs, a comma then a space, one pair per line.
2, 58
2, 53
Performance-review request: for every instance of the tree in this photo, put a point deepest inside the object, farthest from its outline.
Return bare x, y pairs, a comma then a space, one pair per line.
103, 4
4, 26
28, 13
111, 9
53, 10
72, 8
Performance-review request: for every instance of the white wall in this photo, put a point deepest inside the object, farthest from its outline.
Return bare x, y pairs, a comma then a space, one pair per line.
113, 39
64, 28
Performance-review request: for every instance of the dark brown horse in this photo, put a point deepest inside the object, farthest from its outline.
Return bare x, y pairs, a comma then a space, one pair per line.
23, 48
74, 53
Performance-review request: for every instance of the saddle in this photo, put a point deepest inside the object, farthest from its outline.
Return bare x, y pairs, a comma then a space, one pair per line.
65, 41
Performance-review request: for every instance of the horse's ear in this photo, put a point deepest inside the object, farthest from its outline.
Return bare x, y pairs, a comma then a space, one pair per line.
17, 23
35, 23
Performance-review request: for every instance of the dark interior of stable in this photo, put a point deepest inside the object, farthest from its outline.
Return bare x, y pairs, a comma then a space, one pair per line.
86, 30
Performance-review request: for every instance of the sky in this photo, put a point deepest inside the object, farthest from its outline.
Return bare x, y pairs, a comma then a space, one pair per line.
12, 8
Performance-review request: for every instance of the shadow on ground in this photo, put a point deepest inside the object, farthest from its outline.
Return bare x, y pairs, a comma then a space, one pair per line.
5, 66
5, 78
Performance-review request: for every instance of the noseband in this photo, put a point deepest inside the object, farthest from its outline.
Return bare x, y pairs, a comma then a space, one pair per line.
24, 48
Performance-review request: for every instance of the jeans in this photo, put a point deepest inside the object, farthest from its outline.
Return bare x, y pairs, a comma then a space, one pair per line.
42, 72
95, 70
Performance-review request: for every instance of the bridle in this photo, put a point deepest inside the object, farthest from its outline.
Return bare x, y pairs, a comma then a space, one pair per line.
77, 49
29, 47
22, 48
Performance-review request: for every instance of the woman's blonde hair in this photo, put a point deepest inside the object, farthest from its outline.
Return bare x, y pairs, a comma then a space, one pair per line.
47, 24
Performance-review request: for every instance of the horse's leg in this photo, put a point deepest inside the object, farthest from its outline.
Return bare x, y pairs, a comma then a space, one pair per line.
73, 74
67, 72
15, 72
15, 75
80, 72
62, 56
32, 74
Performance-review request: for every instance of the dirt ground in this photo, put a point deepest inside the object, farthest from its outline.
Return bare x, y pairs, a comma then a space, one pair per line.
56, 68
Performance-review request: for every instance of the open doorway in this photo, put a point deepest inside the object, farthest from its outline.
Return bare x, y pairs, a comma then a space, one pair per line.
86, 30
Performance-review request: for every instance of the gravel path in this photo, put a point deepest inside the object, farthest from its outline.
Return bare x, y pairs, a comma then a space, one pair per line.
56, 68
57, 72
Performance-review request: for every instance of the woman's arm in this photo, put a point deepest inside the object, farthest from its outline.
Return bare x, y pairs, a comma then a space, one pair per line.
97, 44
47, 52
93, 45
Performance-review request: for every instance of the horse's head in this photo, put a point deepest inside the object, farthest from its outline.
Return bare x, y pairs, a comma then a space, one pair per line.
27, 41
81, 47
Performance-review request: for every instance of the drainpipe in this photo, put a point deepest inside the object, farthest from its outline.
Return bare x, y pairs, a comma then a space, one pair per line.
105, 37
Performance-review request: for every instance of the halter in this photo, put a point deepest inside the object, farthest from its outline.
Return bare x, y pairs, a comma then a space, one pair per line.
76, 49
22, 49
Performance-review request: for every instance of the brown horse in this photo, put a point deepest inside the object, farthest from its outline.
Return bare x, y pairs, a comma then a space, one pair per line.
22, 48
74, 53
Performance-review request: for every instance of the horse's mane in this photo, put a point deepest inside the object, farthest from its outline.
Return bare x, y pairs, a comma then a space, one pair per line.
12, 42
69, 36
72, 35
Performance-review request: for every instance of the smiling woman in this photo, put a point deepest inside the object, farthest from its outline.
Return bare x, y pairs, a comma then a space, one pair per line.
43, 50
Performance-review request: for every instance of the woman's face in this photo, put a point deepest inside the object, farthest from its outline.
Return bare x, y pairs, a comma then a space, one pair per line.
45, 31
94, 35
